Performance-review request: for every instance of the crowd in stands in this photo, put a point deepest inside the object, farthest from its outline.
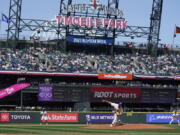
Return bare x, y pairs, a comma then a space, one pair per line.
43, 59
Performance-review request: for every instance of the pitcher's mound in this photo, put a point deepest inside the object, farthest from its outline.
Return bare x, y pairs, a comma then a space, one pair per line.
128, 126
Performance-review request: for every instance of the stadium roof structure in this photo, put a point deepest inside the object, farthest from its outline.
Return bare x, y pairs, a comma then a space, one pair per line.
20, 24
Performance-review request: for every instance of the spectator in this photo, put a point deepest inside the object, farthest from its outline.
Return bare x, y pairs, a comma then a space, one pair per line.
43, 59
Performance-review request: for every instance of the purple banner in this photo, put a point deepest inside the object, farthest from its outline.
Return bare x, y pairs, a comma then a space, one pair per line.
99, 117
45, 93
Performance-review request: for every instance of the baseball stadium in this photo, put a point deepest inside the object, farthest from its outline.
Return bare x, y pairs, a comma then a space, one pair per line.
82, 72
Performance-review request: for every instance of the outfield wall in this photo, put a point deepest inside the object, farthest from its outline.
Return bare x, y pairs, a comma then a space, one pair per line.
83, 118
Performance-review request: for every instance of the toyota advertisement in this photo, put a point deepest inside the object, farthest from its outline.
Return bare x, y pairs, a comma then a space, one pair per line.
115, 94
20, 117
4, 117
34, 117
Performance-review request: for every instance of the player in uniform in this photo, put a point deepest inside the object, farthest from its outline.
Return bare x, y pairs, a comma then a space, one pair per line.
118, 111
175, 117
44, 117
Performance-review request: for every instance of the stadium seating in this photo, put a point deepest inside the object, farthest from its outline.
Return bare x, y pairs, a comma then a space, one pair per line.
43, 59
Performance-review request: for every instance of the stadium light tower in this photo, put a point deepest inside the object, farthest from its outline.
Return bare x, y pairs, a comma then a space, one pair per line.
19, 24
155, 23
14, 25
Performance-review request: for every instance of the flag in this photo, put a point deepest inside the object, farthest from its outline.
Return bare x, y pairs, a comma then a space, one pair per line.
95, 4
5, 18
177, 29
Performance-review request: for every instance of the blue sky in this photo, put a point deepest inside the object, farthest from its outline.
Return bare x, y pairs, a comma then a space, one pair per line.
136, 12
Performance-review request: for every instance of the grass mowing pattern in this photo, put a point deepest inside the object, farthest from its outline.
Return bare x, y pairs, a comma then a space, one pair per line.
79, 129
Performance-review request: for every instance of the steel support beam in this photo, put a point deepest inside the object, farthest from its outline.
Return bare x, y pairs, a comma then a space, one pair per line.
18, 24
15, 19
155, 23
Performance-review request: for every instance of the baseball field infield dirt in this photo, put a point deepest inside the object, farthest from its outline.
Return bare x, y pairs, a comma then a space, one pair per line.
106, 126
128, 126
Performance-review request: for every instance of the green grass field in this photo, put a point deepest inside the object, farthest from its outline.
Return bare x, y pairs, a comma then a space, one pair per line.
80, 130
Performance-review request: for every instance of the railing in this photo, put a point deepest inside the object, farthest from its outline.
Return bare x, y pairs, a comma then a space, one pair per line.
119, 43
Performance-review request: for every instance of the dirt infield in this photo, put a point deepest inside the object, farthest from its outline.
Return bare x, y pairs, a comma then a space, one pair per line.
128, 126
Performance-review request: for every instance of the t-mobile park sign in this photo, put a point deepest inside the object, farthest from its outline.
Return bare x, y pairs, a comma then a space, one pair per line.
118, 24
95, 6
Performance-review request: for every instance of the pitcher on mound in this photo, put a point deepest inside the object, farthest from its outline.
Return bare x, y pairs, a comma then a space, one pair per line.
118, 111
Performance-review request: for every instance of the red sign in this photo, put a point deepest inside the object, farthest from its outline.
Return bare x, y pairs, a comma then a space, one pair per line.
177, 29
113, 76
4, 117
92, 22
116, 94
62, 117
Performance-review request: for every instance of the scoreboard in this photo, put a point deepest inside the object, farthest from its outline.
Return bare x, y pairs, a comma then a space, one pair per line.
158, 95
134, 95
115, 94
70, 94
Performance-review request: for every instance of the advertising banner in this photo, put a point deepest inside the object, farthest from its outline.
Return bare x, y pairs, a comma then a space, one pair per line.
95, 118
113, 76
90, 40
12, 89
24, 117
159, 118
99, 117
115, 94
63, 117
45, 93
4, 117
119, 24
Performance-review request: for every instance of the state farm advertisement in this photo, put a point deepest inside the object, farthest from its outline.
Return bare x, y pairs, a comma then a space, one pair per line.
115, 94
63, 117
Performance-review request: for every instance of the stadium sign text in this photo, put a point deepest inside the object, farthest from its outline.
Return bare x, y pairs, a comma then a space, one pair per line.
94, 6
99, 117
21, 117
115, 76
90, 40
92, 22
159, 118
63, 117
115, 94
